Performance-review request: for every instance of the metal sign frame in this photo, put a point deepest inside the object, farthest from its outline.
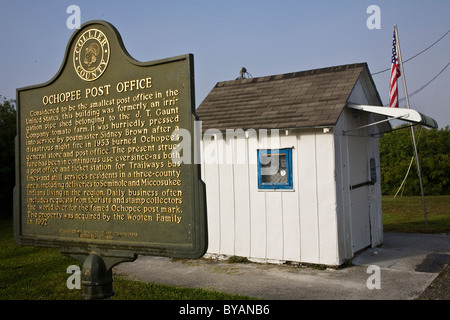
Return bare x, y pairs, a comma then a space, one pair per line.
96, 64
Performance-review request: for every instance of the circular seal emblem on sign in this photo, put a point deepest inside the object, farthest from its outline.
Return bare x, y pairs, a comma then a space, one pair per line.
91, 54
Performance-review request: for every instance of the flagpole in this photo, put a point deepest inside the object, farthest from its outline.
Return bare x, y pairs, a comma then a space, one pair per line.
412, 129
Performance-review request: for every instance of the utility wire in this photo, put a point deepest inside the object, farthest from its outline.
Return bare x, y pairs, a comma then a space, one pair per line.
425, 85
375, 73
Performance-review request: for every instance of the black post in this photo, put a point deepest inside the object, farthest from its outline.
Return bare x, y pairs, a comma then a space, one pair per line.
96, 273
96, 279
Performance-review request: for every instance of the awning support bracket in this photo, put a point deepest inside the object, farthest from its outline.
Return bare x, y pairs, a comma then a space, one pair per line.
344, 132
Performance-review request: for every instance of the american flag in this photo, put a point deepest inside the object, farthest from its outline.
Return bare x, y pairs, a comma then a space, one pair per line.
395, 73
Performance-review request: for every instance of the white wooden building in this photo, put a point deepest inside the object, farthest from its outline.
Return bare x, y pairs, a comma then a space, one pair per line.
322, 204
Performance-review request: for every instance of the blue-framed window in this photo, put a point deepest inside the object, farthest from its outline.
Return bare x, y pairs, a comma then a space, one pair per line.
275, 169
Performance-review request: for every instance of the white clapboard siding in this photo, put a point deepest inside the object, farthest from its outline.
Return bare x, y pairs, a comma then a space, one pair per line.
290, 205
210, 173
291, 225
326, 199
307, 186
322, 220
242, 198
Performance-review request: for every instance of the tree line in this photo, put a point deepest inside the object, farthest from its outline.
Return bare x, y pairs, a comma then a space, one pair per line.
396, 152
7, 155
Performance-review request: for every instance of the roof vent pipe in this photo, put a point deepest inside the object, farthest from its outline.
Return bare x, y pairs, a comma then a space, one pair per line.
244, 74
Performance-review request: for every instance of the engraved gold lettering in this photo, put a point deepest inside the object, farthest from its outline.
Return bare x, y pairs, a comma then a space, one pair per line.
131, 85
103, 154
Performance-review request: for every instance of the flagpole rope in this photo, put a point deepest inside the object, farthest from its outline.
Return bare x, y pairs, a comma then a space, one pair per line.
412, 129
404, 179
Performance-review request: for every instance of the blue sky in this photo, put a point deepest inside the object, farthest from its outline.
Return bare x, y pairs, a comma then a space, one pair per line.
266, 37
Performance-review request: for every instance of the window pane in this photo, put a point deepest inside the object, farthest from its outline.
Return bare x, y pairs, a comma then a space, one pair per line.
274, 168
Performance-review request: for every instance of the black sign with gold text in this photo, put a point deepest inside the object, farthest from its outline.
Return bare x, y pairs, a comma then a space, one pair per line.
95, 167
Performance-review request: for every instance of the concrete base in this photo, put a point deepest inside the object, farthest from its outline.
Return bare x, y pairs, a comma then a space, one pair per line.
408, 264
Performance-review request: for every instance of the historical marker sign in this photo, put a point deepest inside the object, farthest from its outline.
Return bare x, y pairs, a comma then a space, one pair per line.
94, 165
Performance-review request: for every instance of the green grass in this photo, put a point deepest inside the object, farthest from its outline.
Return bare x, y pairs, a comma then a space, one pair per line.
405, 214
29, 273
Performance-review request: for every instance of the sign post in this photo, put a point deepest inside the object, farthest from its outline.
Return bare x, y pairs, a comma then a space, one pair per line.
97, 175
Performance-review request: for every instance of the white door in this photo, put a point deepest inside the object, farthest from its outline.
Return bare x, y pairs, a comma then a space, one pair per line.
359, 193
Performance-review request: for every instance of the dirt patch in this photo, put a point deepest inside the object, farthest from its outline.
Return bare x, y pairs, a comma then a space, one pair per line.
439, 289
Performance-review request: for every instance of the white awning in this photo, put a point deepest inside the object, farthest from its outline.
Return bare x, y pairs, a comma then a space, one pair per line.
408, 115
